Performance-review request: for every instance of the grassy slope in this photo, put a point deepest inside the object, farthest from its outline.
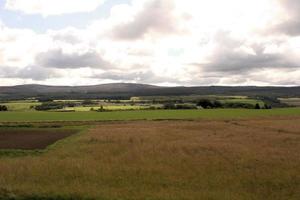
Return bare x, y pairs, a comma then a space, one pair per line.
150, 115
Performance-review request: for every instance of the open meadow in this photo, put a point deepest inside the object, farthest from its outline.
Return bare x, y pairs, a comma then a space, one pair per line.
224, 159
144, 115
146, 149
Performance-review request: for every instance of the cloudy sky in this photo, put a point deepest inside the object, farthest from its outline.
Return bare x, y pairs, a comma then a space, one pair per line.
162, 42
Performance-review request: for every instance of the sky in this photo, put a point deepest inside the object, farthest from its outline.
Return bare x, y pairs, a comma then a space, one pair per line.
160, 42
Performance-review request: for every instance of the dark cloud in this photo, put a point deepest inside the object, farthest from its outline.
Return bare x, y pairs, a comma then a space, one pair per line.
156, 16
68, 35
141, 76
59, 59
30, 72
67, 38
290, 26
229, 58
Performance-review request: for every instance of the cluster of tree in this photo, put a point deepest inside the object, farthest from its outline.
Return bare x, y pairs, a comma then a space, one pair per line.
50, 106
173, 106
240, 105
3, 108
88, 103
212, 104
45, 99
272, 102
206, 104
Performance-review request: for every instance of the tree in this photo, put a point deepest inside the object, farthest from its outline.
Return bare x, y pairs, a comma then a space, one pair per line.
268, 106
169, 106
50, 106
205, 103
257, 106
217, 104
3, 108
101, 109
88, 102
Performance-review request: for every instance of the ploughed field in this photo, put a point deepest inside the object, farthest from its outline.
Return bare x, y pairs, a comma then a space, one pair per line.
31, 139
240, 159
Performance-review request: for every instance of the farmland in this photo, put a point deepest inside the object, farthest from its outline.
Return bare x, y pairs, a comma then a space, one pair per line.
239, 159
122, 150
291, 101
145, 115
21, 105
134, 103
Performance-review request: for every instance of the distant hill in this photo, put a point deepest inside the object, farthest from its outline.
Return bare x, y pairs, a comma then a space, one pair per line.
127, 90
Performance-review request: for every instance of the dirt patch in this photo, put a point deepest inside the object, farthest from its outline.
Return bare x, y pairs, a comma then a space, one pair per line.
31, 139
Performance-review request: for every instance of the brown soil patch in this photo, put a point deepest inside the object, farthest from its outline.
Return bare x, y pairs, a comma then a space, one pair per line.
30, 139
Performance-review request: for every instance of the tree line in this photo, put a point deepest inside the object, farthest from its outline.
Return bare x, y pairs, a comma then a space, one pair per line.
213, 104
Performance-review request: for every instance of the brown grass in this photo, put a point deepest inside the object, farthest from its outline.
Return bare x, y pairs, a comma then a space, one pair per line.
226, 160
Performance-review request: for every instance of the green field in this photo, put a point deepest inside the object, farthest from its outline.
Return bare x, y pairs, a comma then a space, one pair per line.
291, 101
187, 98
245, 101
147, 115
110, 108
21, 106
136, 103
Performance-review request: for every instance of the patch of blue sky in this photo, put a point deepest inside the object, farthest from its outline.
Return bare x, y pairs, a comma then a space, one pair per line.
40, 24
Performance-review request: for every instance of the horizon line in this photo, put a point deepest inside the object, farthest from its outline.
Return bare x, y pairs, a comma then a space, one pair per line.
146, 84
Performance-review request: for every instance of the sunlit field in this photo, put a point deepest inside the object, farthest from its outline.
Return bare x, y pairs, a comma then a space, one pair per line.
144, 115
168, 160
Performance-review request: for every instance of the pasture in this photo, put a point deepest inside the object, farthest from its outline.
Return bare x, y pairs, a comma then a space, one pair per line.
107, 107
21, 106
135, 103
237, 159
244, 100
291, 101
145, 115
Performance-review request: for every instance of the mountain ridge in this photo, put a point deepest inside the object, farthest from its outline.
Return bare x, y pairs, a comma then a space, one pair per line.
127, 90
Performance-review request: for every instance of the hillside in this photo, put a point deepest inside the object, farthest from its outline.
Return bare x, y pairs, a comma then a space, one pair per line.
127, 90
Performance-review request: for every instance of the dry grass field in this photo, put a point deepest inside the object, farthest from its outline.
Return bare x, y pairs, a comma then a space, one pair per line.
243, 159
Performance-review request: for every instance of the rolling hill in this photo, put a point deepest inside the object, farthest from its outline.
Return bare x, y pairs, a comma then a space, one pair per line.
127, 90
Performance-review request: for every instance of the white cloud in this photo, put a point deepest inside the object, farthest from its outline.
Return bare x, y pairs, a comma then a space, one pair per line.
52, 7
178, 42
58, 59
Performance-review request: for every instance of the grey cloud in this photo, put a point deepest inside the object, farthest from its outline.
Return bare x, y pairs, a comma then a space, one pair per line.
67, 38
69, 35
1, 56
139, 76
58, 59
228, 58
291, 26
156, 16
29, 72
